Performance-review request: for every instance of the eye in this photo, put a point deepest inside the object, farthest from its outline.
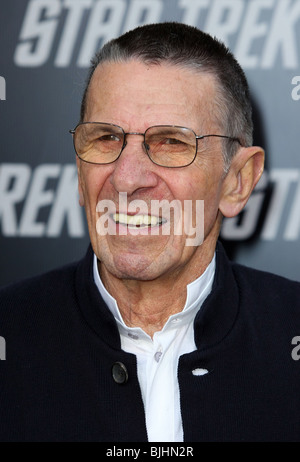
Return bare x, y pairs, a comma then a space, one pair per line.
109, 137
172, 141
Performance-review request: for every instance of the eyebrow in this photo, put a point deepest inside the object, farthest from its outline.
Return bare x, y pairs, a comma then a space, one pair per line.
165, 130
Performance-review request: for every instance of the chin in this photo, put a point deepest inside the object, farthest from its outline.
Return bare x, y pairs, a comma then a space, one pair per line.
135, 267
138, 258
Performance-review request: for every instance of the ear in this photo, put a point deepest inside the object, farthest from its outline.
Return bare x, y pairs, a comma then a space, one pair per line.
245, 170
80, 189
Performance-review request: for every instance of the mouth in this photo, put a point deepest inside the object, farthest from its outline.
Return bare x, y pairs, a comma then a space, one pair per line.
138, 220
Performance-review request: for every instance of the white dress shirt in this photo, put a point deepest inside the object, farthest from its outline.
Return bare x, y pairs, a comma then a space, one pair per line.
157, 357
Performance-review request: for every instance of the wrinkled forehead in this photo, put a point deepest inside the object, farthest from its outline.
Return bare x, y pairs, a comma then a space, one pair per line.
136, 83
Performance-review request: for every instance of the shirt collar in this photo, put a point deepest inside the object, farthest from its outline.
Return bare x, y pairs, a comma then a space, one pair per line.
197, 291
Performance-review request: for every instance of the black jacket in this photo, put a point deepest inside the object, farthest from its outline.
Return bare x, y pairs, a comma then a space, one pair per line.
62, 342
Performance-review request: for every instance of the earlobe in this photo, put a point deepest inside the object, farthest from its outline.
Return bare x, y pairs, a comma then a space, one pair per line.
245, 171
81, 198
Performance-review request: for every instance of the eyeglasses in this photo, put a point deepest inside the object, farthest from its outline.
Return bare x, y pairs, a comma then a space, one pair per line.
165, 145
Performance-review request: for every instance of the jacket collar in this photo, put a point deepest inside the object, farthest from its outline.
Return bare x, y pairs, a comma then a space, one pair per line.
92, 305
220, 309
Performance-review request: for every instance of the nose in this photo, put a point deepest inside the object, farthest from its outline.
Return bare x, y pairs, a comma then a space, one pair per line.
133, 169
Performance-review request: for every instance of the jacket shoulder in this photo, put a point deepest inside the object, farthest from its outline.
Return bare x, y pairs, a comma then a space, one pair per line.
267, 288
39, 290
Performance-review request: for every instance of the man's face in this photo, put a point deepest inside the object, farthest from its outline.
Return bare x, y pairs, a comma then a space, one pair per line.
136, 96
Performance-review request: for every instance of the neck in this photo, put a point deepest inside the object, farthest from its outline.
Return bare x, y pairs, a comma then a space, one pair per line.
149, 304
145, 304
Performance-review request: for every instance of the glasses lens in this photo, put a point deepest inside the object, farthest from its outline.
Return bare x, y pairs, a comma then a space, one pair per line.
98, 143
171, 146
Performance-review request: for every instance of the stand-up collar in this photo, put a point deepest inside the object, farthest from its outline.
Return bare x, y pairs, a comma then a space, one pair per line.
212, 323
220, 309
197, 292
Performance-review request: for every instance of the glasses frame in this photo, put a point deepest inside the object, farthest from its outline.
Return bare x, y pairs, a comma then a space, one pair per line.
197, 137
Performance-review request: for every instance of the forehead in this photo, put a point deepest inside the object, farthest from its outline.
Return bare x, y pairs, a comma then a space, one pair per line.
120, 91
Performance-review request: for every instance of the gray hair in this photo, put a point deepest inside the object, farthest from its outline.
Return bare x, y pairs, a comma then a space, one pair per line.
186, 46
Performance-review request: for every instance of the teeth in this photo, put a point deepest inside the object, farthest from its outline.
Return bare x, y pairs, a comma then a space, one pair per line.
136, 220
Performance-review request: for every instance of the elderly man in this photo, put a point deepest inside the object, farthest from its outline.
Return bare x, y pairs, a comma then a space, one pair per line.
155, 335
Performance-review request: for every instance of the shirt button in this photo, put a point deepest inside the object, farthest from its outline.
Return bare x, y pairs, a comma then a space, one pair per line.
157, 356
133, 336
119, 373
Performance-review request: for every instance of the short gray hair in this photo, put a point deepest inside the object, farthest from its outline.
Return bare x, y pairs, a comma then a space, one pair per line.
187, 46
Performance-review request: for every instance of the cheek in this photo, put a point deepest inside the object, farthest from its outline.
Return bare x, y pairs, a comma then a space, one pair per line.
92, 180
204, 186
201, 185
